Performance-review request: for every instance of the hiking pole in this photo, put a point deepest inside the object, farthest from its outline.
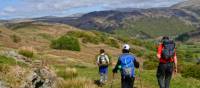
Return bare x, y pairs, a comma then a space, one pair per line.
113, 77
140, 77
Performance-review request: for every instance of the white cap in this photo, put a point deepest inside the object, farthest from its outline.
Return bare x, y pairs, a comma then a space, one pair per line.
126, 47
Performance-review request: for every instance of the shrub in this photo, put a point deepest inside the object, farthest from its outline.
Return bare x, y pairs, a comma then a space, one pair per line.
147, 44
27, 52
91, 39
15, 38
66, 43
138, 52
183, 37
150, 65
191, 71
68, 73
87, 37
77, 83
123, 39
112, 42
151, 56
7, 60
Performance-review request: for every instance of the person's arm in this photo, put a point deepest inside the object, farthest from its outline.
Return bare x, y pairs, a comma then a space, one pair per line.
116, 66
175, 62
136, 63
159, 51
98, 60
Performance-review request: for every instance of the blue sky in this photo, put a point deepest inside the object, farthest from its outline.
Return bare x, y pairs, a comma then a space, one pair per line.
36, 8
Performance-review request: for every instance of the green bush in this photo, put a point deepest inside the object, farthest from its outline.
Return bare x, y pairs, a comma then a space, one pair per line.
26, 53
183, 37
191, 71
151, 45
7, 60
87, 37
151, 61
15, 38
112, 42
66, 43
68, 73
91, 39
138, 52
150, 65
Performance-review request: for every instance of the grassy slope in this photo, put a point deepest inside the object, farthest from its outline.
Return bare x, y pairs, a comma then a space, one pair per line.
148, 79
154, 27
39, 37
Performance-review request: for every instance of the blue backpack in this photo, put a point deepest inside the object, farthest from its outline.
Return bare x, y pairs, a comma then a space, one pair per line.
127, 65
168, 49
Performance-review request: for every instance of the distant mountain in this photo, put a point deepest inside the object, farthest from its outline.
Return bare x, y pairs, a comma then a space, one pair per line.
143, 23
3, 21
191, 7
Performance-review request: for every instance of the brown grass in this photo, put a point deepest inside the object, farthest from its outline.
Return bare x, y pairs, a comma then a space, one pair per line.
77, 83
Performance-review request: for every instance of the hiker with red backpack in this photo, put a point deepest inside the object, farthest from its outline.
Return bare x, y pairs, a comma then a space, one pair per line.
126, 64
103, 62
167, 62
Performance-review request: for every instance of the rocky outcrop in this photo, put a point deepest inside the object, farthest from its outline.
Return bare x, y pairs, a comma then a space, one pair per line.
3, 85
40, 78
13, 54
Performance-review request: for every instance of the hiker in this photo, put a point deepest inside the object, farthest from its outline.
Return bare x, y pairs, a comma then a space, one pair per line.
167, 62
126, 64
103, 62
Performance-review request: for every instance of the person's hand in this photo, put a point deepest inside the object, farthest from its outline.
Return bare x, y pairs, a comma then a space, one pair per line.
175, 71
158, 56
114, 71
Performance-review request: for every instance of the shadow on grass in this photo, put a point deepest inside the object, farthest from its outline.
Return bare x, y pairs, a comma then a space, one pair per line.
98, 83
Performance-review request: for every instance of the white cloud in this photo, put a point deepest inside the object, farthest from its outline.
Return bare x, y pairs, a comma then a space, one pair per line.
3, 14
70, 4
9, 9
51, 7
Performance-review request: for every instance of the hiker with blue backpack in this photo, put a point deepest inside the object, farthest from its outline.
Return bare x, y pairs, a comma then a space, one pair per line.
126, 64
103, 62
167, 62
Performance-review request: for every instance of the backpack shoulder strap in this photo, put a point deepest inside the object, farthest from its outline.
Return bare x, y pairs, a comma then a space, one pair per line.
107, 58
98, 58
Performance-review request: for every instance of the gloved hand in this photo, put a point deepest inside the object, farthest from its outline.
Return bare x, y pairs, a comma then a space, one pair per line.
114, 70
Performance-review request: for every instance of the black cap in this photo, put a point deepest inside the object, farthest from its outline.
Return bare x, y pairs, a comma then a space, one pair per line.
165, 38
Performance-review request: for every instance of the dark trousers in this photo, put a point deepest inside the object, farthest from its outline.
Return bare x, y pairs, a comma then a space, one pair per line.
127, 82
164, 74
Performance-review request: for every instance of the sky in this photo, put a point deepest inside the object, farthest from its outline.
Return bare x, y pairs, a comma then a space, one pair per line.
10, 9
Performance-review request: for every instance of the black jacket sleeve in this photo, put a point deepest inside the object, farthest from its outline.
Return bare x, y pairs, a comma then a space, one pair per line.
136, 64
117, 66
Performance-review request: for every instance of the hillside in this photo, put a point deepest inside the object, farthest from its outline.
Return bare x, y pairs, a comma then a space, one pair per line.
18, 39
191, 7
124, 19
68, 68
184, 17
192, 36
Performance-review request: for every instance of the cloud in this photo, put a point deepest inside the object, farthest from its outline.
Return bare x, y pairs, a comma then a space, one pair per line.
9, 9
3, 14
30, 8
106, 4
